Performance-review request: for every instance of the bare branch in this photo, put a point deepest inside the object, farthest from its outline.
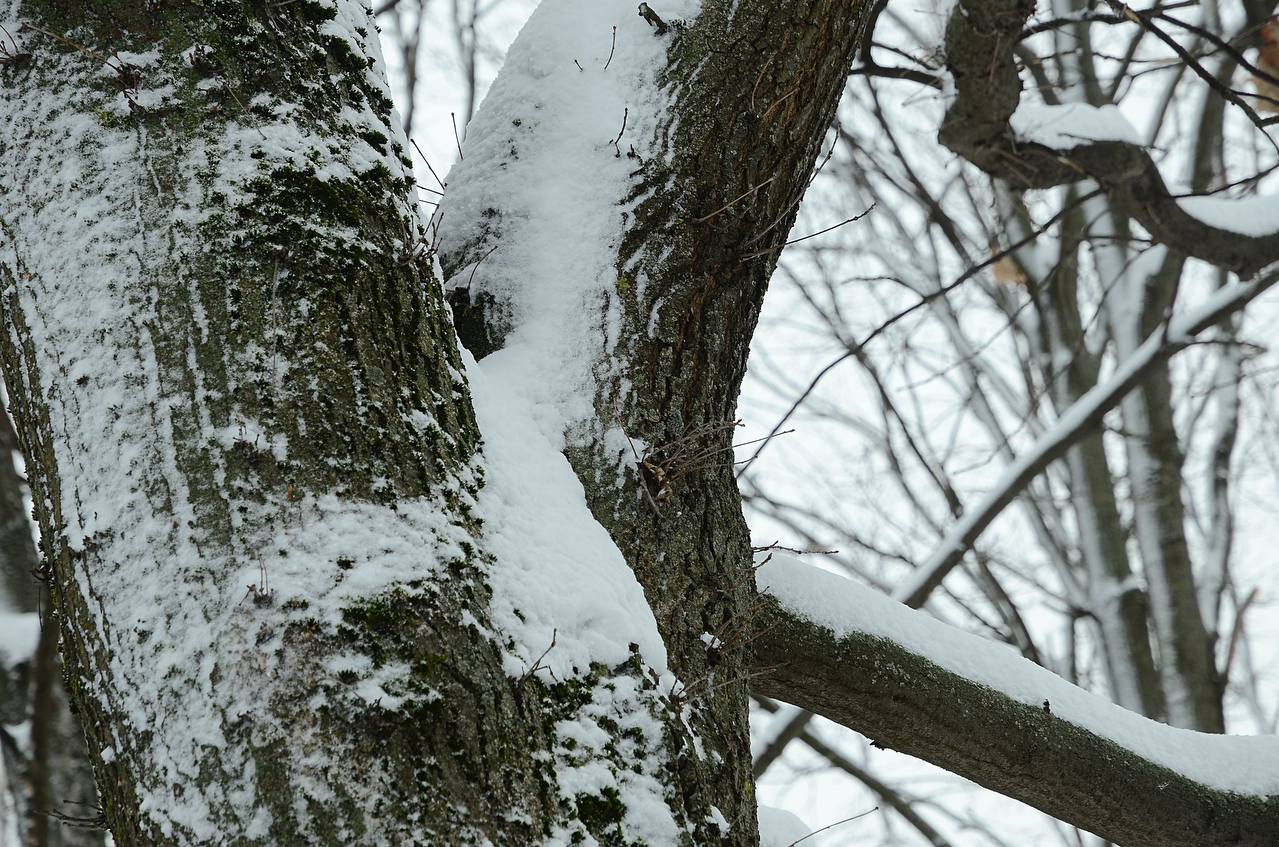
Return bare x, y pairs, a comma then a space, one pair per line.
1081, 418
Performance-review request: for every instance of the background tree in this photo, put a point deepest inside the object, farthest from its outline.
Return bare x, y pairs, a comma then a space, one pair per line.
1120, 566
48, 796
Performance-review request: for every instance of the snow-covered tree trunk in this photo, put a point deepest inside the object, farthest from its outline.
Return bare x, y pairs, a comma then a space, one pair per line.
287, 608
1114, 598
640, 353
1155, 464
253, 498
303, 601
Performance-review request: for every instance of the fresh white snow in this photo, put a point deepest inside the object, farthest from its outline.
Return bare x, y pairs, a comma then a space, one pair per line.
537, 203
1256, 216
558, 576
1071, 125
1242, 764
537, 208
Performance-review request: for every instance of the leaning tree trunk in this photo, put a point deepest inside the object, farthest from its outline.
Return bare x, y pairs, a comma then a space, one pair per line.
253, 453
53, 799
715, 180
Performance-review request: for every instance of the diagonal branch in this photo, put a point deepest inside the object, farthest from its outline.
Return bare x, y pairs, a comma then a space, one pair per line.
1078, 420
902, 805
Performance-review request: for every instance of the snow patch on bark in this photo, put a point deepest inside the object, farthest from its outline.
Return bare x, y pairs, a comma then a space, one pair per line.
558, 578
532, 221
535, 211
1070, 125
1255, 216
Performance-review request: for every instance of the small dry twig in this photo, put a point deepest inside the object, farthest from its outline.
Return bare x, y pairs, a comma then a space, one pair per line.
611, 49
833, 825
456, 139
626, 113
537, 665
427, 162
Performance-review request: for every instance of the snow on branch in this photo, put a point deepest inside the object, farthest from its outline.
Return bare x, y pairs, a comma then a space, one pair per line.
1071, 125
1035, 146
976, 707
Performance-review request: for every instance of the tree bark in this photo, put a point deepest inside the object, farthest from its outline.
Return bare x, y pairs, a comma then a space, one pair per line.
229, 356
49, 776
254, 458
752, 89
206, 232
905, 702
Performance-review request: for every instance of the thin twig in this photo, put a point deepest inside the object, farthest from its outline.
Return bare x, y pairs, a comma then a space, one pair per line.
611, 49
767, 250
428, 164
833, 825
92, 54
742, 196
456, 139
538, 664
626, 112
1200, 71
909, 310
471, 278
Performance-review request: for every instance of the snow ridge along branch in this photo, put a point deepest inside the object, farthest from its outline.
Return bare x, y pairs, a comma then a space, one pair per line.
981, 37
976, 708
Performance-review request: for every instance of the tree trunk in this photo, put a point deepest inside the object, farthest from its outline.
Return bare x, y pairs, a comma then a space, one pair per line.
253, 453
207, 229
1116, 602
53, 796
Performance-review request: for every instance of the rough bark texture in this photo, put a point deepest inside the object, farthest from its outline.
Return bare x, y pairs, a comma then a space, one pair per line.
275, 343
906, 703
753, 88
274, 368
255, 332
50, 775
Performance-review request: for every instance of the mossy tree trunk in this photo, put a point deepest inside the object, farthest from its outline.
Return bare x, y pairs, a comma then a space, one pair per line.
251, 446
255, 461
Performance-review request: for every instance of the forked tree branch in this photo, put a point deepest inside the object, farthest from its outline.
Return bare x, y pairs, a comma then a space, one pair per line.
981, 39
